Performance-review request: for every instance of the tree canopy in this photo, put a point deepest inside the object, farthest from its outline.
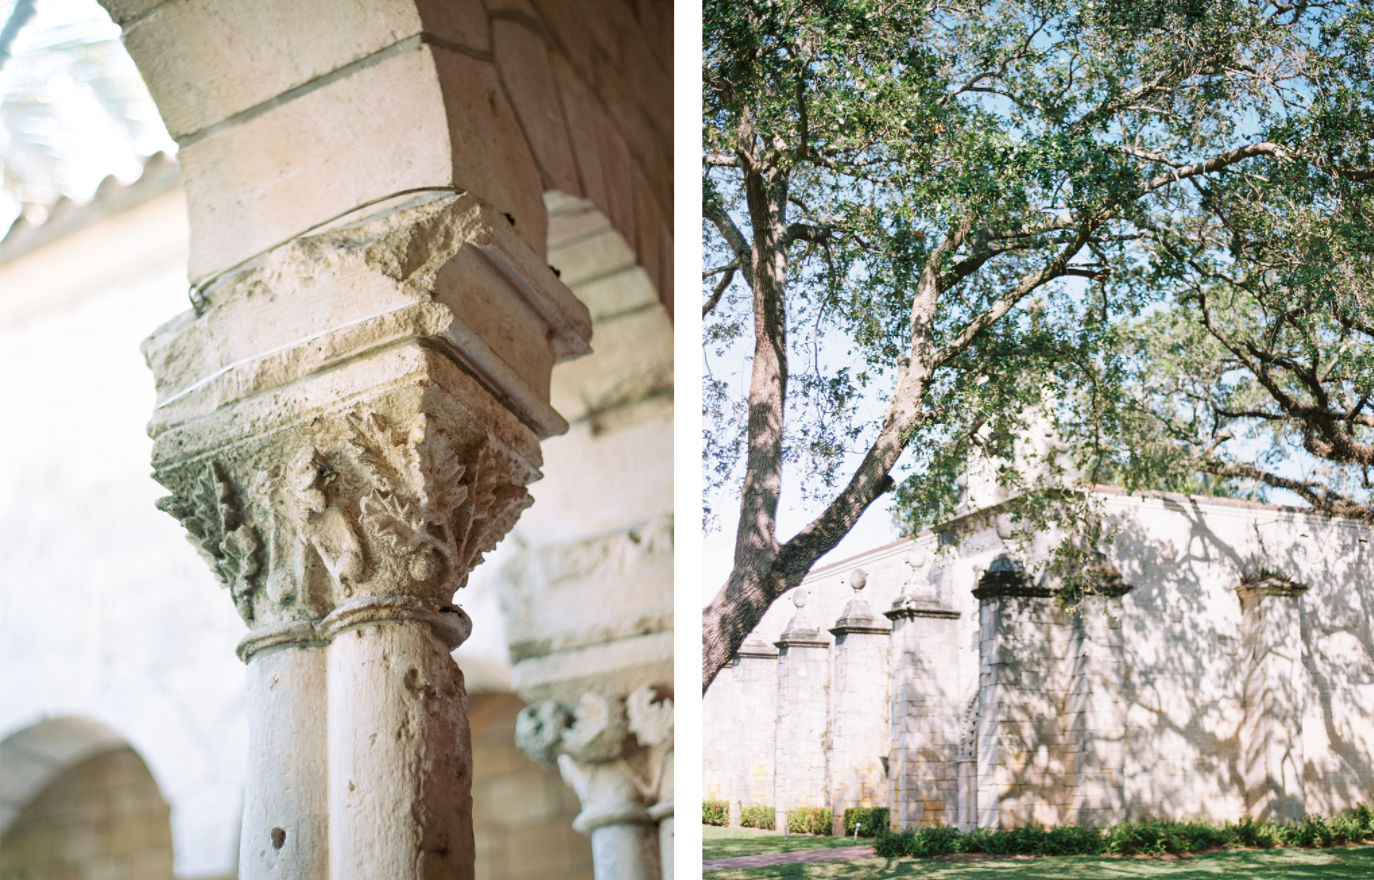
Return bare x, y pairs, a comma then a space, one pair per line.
972, 210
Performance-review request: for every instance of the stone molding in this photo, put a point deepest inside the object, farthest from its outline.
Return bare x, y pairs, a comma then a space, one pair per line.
852, 625
1271, 585
908, 606
1007, 577
806, 638
449, 624
754, 647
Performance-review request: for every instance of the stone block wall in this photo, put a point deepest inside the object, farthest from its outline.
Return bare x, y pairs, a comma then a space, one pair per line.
1182, 690
1271, 732
803, 703
925, 716
720, 706
858, 729
1024, 752
522, 812
1095, 713
752, 739
103, 819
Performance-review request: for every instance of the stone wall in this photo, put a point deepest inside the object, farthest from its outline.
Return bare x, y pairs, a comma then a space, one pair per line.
1227, 672
800, 768
858, 739
753, 733
925, 715
522, 812
103, 819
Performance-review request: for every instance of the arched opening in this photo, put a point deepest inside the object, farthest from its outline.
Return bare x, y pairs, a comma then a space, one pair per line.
77, 803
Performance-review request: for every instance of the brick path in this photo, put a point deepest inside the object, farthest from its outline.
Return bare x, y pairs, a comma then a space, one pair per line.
836, 854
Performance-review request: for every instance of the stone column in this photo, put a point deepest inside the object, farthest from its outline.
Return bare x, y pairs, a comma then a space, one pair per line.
1271, 733
346, 427
620, 764
1095, 710
925, 712
799, 770
1021, 749
752, 742
858, 707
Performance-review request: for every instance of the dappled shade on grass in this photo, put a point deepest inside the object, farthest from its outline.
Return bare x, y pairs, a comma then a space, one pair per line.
1349, 863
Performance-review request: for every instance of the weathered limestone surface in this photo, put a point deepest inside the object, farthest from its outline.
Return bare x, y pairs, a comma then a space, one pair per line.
803, 714
346, 429
588, 597
1022, 748
1271, 736
752, 727
858, 731
1169, 692
287, 114
1095, 711
925, 713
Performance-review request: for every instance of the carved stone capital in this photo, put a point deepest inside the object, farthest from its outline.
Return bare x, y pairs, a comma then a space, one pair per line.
356, 414
390, 501
614, 753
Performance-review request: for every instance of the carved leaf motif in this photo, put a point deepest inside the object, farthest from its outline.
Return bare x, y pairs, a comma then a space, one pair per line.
388, 460
494, 507
396, 520
211, 514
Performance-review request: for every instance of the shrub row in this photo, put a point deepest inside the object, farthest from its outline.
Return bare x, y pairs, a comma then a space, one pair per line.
870, 820
715, 812
809, 820
1150, 837
758, 817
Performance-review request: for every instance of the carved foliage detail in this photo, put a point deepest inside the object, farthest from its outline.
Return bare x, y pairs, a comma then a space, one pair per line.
210, 510
429, 505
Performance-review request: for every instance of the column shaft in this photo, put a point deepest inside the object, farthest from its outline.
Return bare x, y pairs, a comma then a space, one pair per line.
286, 827
400, 756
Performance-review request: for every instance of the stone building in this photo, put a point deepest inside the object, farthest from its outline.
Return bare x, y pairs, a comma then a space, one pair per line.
430, 256
1224, 668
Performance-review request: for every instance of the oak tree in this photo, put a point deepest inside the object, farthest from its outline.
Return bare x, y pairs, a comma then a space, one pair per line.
953, 207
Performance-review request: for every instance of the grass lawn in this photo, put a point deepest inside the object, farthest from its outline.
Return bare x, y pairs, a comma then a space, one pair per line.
722, 843
1348, 863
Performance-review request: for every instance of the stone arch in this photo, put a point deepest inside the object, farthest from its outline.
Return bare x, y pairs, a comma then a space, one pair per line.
187, 768
36, 755
285, 122
77, 800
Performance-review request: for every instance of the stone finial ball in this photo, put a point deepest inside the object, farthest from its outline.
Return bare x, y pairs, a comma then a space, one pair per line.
918, 556
858, 579
799, 598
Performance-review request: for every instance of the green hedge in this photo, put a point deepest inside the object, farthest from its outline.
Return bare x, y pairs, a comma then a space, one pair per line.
758, 817
872, 820
1150, 837
810, 820
715, 812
